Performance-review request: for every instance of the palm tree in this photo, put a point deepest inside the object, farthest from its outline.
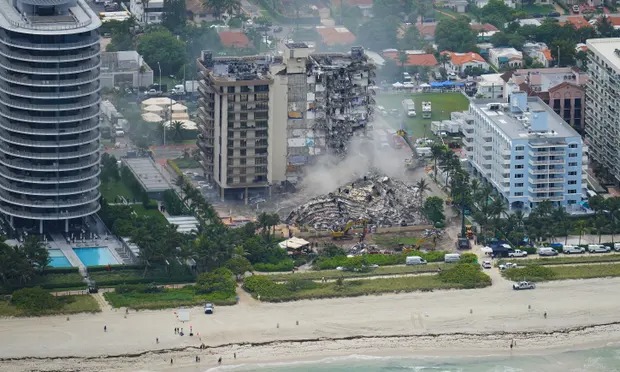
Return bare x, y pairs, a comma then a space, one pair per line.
422, 187
402, 59
223, 6
444, 58
437, 152
580, 226
177, 128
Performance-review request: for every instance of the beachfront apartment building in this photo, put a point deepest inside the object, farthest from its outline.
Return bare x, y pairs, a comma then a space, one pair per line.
264, 119
525, 151
49, 113
602, 112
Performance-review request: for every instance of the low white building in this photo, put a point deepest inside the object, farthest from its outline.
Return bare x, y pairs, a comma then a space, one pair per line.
147, 12
539, 52
125, 68
491, 86
505, 57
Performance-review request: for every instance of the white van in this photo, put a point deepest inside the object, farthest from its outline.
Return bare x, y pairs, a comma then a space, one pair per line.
415, 260
598, 248
547, 251
452, 257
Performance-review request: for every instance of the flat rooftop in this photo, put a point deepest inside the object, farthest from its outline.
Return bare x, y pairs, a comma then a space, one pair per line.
609, 49
79, 17
146, 172
514, 124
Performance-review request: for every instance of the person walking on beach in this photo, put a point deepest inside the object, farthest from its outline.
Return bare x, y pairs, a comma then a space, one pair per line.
105, 328
511, 345
156, 340
235, 355
171, 361
219, 361
545, 315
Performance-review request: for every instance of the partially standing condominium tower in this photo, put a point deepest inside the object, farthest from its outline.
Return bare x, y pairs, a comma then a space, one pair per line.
49, 112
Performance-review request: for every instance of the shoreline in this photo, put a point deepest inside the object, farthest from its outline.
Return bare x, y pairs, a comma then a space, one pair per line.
582, 314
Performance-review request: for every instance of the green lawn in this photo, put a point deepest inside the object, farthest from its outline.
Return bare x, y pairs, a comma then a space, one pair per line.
563, 260
537, 9
70, 305
134, 276
141, 211
442, 103
168, 298
111, 189
585, 271
186, 163
379, 271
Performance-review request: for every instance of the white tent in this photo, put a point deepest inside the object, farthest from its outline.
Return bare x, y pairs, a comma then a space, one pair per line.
180, 116
158, 101
424, 85
151, 117
177, 107
486, 250
187, 124
293, 243
397, 85
153, 108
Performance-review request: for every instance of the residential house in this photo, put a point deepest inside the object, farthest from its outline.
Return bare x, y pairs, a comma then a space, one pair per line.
427, 30
539, 53
508, 58
335, 36
459, 6
364, 5
197, 13
459, 62
415, 58
484, 30
490, 86
147, 12
234, 39
562, 88
578, 21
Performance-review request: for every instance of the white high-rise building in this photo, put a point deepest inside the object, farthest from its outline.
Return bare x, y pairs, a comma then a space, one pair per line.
49, 112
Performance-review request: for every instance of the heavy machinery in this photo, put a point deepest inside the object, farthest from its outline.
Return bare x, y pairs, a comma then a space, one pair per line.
343, 232
426, 110
469, 231
413, 162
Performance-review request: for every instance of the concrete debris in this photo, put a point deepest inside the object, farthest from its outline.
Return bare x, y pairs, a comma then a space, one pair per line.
380, 200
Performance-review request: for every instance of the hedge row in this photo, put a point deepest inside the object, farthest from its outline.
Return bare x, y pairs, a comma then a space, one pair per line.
328, 263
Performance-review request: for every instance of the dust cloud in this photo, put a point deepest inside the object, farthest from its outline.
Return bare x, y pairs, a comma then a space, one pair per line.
365, 155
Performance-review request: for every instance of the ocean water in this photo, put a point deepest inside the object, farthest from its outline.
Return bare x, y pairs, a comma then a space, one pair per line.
594, 360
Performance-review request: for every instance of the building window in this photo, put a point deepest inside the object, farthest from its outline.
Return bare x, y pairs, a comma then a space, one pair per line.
567, 103
572, 164
518, 193
519, 148
245, 88
519, 175
572, 182
577, 102
231, 89
572, 146
519, 184
572, 173
572, 155
572, 191
519, 166
261, 88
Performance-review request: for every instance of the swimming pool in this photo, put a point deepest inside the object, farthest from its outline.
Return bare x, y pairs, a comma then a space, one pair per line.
58, 259
95, 256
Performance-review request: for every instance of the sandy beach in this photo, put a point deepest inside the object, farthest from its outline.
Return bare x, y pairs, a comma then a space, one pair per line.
581, 314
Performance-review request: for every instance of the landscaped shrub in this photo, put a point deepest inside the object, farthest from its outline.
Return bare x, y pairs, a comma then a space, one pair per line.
327, 263
260, 285
466, 274
34, 300
218, 281
469, 258
530, 272
300, 284
284, 265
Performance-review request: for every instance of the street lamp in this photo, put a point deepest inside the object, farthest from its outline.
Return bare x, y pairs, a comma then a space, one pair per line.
159, 67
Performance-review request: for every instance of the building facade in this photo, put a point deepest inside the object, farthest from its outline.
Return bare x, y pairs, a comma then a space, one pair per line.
147, 12
603, 106
525, 151
49, 113
506, 58
263, 119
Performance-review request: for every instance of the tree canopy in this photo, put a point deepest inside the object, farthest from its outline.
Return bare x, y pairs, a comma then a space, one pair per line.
448, 38
161, 46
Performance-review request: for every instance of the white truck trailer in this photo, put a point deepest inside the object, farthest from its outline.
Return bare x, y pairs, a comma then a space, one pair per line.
426, 110
409, 107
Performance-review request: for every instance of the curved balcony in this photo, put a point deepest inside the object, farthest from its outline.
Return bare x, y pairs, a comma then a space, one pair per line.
16, 67
25, 128
25, 44
86, 150
24, 212
26, 165
57, 202
83, 103
84, 115
83, 90
80, 140
29, 57
10, 174
26, 80
52, 191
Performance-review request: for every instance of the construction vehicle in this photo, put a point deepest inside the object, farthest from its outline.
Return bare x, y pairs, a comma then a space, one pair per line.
413, 162
426, 110
409, 107
343, 232
469, 232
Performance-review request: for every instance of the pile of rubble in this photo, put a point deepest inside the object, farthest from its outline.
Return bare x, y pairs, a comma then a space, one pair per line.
380, 200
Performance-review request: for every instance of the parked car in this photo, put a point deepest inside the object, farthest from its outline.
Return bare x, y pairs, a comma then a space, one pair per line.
553, 14
415, 260
523, 285
547, 251
209, 308
487, 264
507, 265
570, 249
598, 248
517, 253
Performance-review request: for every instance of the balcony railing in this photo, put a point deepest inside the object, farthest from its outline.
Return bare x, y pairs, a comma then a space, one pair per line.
83, 90
86, 150
27, 128
84, 115
24, 44
58, 202
81, 67
31, 165
81, 104
80, 140
27, 80
58, 214
56, 178
68, 57
50, 191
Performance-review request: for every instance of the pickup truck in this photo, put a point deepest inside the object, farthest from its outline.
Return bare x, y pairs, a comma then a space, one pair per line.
598, 248
517, 253
523, 285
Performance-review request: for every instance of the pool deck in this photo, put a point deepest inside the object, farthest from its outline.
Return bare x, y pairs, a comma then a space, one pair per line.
59, 242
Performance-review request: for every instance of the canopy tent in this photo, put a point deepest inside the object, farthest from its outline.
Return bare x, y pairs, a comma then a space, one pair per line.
151, 117
153, 108
397, 85
180, 116
293, 243
486, 250
158, 101
187, 124
177, 107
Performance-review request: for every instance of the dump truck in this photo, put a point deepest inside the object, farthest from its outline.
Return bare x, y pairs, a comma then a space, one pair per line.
469, 232
426, 110
409, 107
343, 232
413, 162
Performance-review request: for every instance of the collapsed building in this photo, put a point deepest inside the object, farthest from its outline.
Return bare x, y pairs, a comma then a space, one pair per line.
379, 200
264, 119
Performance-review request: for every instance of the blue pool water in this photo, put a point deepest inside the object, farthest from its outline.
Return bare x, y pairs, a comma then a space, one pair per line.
95, 256
58, 259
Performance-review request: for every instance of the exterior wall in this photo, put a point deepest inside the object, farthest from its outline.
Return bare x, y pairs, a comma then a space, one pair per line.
134, 78
151, 15
568, 101
461, 68
513, 61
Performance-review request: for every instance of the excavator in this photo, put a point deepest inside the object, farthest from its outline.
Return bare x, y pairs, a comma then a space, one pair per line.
343, 232
411, 163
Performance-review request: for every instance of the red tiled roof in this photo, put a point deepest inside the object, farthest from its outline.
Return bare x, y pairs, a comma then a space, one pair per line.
578, 21
547, 54
458, 59
195, 7
614, 20
427, 29
335, 35
483, 27
235, 39
413, 59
